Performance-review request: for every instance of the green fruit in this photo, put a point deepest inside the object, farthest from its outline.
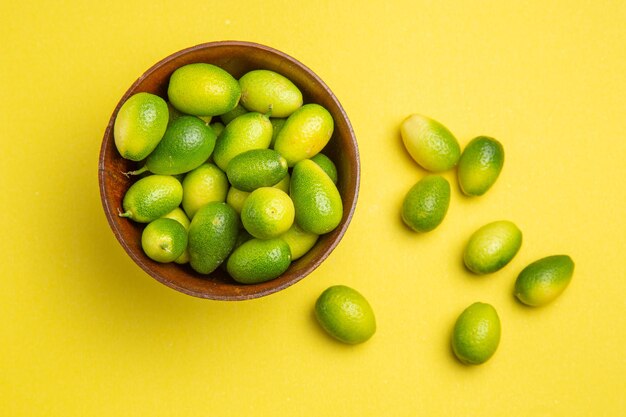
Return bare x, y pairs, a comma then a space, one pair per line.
202, 89
257, 261
316, 199
212, 236
139, 125
345, 314
327, 165
174, 113
228, 117
480, 165
256, 168
430, 143
217, 127
164, 240
299, 241
426, 203
179, 215
248, 131
187, 143
205, 184
152, 197
492, 247
283, 184
305, 133
544, 280
277, 125
264, 90
476, 334
235, 198
267, 213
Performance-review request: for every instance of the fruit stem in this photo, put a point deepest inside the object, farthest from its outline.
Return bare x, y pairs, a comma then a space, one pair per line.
268, 114
136, 172
126, 214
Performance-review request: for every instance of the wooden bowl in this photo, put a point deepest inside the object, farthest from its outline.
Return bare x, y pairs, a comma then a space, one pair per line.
237, 58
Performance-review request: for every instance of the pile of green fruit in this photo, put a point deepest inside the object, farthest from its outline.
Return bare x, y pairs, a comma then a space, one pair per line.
230, 172
476, 333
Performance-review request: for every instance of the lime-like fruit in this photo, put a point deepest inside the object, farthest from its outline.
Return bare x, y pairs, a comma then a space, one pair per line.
544, 280
139, 125
345, 314
277, 125
151, 197
492, 247
249, 131
299, 241
305, 133
480, 165
476, 334
228, 117
256, 168
187, 143
212, 236
430, 143
164, 240
426, 203
267, 213
235, 198
284, 183
327, 165
257, 260
317, 201
179, 215
217, 127
203, 185
268, 91
202, 89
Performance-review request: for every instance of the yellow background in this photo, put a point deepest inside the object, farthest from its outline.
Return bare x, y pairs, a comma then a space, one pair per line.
85, 332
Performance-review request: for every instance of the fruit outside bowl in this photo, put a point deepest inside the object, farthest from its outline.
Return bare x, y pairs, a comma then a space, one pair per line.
237, 58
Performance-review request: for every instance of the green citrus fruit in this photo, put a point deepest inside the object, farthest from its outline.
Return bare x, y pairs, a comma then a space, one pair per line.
257, 260
164, 240
235, 198
267, 213
179, 215
228, 117
327, 165
277, 124
492, 247
476, 334
256, 168
544, 280
203, 185
299, 241
426, 203
345, 314
480, 165
139, 125
202, 89
430, 143
268, 91
151, 197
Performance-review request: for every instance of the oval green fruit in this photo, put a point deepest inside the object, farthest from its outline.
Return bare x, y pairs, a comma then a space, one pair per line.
212, 236
267, 213
492, 247
205, 184
345, 314
299, 241
249, 131
187, 143
164, 240
327, 165
256, 168
179, 215
426, 203
305, 133
316, 199
268, 91
430, 143
544, 280
235, 198
228, 117
139, 125
476, 334
277, 125
201, 89
257, 261
480, 165
151, 197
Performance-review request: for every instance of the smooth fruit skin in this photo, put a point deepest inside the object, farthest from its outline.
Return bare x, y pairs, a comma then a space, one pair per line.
492, 247
203, 185
345, 314
187, 143
139, 125
316, 199
212, 236
268, 91
544, 280
256, 168
430, 143
305, 133
426, 203
256, 260
480, 165
476, 334
164, 240
249, 131
327, 165
299, 241
152, 197
267, 213
202, 89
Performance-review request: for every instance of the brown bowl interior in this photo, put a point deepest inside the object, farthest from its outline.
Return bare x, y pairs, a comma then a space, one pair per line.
237, 58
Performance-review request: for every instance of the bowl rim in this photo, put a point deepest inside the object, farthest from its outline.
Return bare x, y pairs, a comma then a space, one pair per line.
305, 271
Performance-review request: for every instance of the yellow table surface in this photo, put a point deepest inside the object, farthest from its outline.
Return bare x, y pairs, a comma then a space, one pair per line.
85, 332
